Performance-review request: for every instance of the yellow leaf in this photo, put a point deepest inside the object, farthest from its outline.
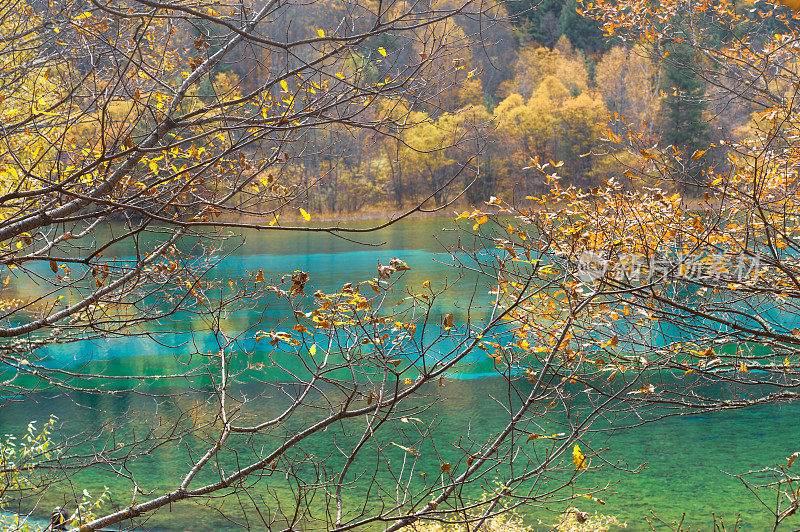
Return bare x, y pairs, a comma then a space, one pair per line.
612, 342
305, 215
579, 459
544, 436
284, 85
426, 284
382, 51
697, 154
274, 221
340, 75
406, 449
321, 33
595, 499
312, 350
742, 367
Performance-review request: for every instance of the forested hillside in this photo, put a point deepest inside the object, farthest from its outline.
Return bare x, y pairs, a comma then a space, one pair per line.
495, 100
541, 85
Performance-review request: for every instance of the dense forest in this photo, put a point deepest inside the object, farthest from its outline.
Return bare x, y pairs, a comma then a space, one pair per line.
543, 84
495, 100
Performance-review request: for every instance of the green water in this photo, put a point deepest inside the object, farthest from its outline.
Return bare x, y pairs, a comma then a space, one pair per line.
688, 458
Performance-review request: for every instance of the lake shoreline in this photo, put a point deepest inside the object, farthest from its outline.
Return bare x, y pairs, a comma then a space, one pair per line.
387, 214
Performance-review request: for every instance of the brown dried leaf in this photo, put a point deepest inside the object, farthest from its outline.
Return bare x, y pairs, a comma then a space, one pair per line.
299, 280
399, 265
384, 272
792, 459
448, 320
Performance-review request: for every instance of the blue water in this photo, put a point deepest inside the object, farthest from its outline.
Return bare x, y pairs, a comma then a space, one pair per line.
687, 458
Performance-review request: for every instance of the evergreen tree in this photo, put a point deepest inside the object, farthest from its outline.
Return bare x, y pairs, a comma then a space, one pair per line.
584, 33
548, 20
683, 123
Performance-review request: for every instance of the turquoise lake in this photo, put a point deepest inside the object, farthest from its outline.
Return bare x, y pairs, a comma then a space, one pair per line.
690, 459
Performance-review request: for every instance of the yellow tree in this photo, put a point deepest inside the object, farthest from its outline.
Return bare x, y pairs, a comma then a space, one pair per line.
557, 126
628, 81
534, 64
583, 123
427, 156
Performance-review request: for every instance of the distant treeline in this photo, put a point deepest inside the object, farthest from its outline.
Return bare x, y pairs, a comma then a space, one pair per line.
539, 89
